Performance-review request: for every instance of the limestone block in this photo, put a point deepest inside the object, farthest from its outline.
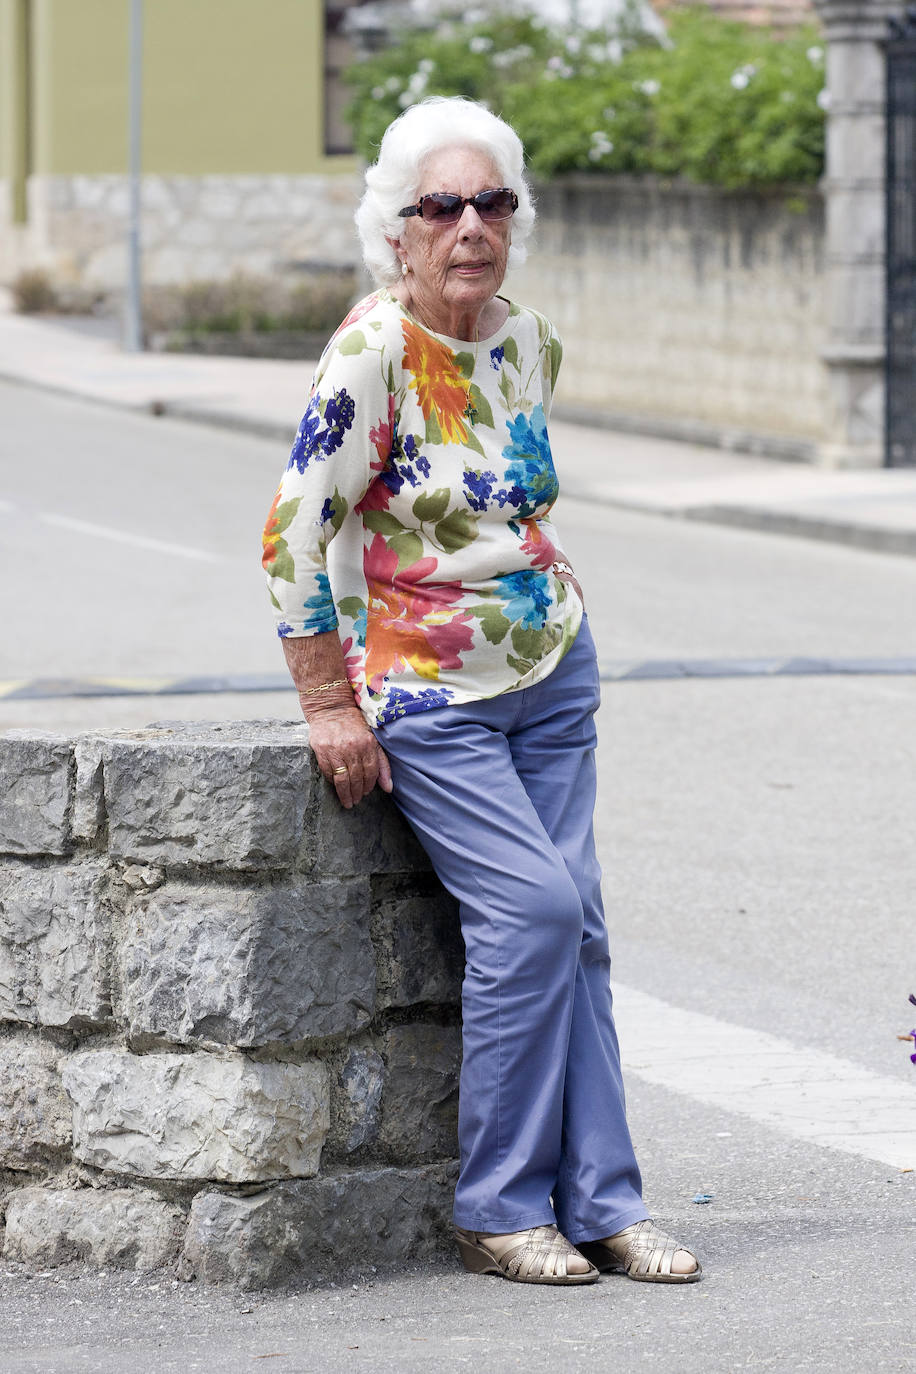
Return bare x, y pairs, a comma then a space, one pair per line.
419, 1118
34, 792
197, 1116
372, 837
356, 1105
123, 1228
418, 942
232, 795
89, 795
54, 931
382, 1218
249, 966
35, 1116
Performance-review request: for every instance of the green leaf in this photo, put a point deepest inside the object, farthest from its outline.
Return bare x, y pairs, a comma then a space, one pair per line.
273, 600
382, 522
507, 391
283, 565
556, 357
352, 607
408, 546
473, 442
510, 352
519, 664
340, 510
354, 341
433, 432
535, 644
283, 515
465, 364
457, 530
528, 643
482, 406
494, 624
432, 505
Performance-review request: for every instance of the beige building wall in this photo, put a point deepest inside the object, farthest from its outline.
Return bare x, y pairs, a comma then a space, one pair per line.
235, 177
230, 86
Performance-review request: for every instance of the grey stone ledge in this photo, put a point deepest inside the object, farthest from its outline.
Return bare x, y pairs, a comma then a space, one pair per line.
121, 1228
35, 1115
55, 925
172, 1116
35, 792
277, 963
319, 1230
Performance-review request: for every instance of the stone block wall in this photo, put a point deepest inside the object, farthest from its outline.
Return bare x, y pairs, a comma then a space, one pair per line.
229, 1011
686, 310
194, 227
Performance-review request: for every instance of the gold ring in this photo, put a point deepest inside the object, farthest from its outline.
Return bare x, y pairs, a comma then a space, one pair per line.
341, 770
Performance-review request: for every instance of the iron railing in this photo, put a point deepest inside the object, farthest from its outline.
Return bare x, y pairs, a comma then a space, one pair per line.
900, 391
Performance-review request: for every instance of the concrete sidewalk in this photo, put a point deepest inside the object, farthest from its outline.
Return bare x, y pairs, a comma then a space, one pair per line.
868, 509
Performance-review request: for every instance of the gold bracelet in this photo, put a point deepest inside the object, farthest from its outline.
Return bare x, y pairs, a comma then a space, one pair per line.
325, 687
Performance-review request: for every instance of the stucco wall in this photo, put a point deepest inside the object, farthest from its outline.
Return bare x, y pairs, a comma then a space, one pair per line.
685, 309
228, 86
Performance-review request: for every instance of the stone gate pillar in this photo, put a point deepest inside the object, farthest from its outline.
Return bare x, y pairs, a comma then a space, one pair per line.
854, 193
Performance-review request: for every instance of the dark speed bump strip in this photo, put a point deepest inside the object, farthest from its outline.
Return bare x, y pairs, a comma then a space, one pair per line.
650, 670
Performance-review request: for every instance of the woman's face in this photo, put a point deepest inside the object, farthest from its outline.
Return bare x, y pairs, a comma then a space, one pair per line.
455, 269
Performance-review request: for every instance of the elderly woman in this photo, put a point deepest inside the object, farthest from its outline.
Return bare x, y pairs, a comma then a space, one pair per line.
436, 635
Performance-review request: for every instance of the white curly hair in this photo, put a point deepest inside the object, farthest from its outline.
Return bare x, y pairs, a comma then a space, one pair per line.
394, 180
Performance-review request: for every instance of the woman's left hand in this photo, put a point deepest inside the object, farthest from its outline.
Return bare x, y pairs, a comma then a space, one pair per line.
348, 753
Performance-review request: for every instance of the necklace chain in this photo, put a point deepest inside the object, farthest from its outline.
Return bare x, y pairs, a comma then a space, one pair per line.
470, 409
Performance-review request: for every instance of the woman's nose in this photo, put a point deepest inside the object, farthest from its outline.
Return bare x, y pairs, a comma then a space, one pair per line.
470, 226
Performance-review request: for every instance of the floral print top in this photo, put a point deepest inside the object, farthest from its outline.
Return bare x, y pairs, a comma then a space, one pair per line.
413, 515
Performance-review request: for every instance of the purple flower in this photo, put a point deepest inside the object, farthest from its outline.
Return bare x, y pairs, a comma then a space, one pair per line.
315, 442
401, 702
327, 512
496, 356
514, 496
479, 488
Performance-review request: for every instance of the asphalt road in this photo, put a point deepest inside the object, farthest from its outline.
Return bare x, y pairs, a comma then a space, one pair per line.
760, 870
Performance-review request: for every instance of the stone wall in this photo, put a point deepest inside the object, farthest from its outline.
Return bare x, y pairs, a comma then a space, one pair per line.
194, 228
686, 310
229, 1011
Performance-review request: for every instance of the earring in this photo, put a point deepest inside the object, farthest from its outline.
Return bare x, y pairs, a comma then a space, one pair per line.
404, 269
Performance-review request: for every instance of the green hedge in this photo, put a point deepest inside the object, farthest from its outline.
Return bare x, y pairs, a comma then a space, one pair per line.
717, 102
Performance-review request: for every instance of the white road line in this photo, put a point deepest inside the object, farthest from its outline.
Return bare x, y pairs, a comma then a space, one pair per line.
804, 1093
138, 541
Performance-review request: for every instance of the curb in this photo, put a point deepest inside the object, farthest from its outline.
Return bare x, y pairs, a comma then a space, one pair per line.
870, 538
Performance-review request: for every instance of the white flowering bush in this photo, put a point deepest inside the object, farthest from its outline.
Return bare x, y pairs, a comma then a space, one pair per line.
718, 102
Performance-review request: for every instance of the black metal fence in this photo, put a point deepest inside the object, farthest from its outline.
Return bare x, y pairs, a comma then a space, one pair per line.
900, 431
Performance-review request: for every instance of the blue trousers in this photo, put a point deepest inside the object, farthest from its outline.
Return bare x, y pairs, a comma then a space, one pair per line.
501, 794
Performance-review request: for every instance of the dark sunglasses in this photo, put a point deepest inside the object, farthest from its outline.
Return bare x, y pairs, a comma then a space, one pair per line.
441, 207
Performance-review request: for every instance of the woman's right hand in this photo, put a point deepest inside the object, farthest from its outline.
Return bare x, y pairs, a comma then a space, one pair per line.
348, 753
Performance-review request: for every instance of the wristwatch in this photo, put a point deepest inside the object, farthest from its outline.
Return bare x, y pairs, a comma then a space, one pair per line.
560, 568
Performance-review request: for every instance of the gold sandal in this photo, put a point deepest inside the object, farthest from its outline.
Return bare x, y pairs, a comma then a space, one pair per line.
642, 1252
538, 1255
